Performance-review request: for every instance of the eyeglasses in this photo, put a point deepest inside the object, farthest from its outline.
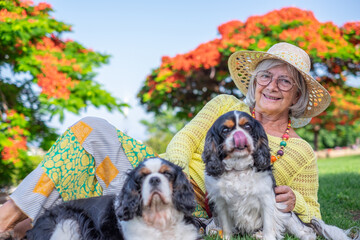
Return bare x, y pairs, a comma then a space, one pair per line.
284, 83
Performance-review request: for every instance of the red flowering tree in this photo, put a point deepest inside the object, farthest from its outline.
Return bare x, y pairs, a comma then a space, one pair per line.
187, 81
41, 76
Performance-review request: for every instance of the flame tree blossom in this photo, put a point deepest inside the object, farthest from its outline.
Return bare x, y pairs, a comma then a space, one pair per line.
48, 76
193, 78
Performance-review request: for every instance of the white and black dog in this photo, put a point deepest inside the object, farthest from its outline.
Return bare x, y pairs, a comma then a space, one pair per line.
240, 183
156, 202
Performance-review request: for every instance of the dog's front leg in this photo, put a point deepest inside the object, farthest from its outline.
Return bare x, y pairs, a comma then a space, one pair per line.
269, 219
226, 223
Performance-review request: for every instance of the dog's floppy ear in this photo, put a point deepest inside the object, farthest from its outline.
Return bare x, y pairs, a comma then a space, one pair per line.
261, 153
183, 193
212, 153
129, 199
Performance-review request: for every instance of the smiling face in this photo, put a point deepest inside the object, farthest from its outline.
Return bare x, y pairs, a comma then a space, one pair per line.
270, 100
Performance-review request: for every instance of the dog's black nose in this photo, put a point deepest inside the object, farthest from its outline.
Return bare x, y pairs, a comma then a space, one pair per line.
154, 181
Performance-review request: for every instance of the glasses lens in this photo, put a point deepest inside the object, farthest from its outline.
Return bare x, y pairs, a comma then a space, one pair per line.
263, 78
284, 83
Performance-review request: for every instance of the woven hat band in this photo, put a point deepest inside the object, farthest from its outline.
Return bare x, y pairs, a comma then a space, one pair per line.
293, 55
295, 60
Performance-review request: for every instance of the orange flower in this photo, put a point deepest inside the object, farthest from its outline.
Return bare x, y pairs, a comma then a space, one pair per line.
352, 30
229, 28
262, 44
5, 14
54, 83
50, 44
42, 6
26, 3
315, 120
12, 151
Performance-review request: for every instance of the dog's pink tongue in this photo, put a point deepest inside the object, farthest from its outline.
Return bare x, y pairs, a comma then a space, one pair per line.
240, 139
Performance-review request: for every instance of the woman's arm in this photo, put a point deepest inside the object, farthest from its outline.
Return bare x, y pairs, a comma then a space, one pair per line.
305, 187
301, 194
298, 170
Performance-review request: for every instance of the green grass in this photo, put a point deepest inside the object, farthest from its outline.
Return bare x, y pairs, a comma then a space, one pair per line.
339, 193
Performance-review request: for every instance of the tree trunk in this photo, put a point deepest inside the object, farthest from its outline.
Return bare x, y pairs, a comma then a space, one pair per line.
316, 137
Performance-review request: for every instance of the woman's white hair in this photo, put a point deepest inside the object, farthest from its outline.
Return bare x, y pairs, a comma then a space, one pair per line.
296, 110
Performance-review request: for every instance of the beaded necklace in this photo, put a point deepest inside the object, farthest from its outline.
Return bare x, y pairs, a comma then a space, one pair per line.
284, 137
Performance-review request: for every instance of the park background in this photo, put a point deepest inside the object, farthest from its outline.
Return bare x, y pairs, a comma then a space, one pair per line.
137, 34
147, 54
63, 60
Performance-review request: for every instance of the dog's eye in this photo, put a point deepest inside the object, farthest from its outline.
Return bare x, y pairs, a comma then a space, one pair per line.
168, 174
141, 177
247, 127
225, 130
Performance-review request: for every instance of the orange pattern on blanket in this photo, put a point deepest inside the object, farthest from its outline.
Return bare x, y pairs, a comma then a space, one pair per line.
81, 130
44, 186
107, 171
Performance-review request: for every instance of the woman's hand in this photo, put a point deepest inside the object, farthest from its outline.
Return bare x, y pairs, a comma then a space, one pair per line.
285, 195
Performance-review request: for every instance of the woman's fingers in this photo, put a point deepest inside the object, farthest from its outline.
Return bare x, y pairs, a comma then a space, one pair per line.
285, 195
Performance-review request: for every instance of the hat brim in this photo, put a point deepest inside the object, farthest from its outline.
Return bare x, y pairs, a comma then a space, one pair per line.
243, 63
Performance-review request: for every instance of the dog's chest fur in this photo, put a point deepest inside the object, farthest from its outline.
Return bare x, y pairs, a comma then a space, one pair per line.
137, 229
241, 194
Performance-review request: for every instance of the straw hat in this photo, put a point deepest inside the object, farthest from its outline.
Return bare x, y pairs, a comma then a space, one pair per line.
243, 63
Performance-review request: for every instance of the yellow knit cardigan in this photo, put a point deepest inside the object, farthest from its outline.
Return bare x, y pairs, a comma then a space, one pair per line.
296, 169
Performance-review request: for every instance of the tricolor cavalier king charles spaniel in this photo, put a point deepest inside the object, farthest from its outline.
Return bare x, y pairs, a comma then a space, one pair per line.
156, 202
240, 183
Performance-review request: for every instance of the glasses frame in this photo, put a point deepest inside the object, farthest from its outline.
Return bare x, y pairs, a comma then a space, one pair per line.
277, 81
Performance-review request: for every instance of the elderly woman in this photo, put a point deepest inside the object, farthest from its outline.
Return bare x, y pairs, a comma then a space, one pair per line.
92, 157
281, 94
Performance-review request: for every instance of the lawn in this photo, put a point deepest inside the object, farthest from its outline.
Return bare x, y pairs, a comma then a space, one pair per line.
339, 192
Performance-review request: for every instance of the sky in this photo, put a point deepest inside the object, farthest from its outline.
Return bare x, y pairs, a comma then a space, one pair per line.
138, 33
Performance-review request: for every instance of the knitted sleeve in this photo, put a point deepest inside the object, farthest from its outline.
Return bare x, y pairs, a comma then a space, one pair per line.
184, 144
305, 186
298, 170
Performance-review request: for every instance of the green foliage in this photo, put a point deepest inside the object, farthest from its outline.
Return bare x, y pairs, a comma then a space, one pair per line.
11, 174
41, 77
162, 129
342, 136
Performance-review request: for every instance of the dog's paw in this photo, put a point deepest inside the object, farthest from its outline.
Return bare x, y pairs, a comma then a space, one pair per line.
258, 235
212, 229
